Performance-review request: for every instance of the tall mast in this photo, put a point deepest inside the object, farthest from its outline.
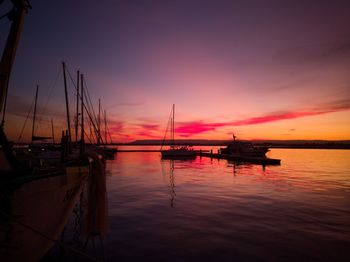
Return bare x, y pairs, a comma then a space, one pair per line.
82, 142
53, 132
105, 128
99, 123
16, 16
173, 126
67, 103
77, 111
34, 114
91, 133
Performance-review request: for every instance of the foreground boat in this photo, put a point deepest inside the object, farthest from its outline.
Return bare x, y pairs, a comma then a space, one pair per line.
36, 196
35, 213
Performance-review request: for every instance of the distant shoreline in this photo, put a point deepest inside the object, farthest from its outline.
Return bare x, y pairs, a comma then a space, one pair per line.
346, 147
290, 144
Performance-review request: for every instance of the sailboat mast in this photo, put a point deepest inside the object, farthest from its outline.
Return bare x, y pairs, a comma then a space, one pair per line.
6, 63
99, 123
67, 104
82, 142
173, 126
105, 127
53, 132
20, 10
77, 112
34, 114
91, 133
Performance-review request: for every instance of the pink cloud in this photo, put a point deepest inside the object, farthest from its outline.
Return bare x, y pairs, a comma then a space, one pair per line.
198, 127
147, 134
150, 127
116, 126
275, 117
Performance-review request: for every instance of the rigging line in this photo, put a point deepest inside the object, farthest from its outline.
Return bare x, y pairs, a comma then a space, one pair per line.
166, 130
35, 231
88, 109
109, 134
89, 99
71, 79
88, 137
92, 108
25, 122
6, 15
51, 90
90, 118
87, 106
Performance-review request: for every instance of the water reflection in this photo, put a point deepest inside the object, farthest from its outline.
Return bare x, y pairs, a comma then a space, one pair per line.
168, 167
227, 211
235, 166
83, 236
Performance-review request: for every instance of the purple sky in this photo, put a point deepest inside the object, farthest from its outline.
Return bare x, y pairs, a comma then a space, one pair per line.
225, 64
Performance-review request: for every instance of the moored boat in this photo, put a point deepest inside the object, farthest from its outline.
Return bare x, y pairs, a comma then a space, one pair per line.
176, 151
243, 149
179, 152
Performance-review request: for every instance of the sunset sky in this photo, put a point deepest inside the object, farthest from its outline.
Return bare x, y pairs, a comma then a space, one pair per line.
260, 69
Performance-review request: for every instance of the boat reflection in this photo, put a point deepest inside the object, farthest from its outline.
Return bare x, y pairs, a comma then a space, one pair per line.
168, 167
90, 222
236, 166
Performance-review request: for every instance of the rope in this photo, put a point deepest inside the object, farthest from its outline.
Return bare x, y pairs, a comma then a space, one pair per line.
5, 15
166, 130
25, 122
49, 238
109, 134
51, 90
88, 99
88, 107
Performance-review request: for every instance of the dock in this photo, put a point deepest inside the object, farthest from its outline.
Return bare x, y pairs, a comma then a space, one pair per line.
210, 154
254, 160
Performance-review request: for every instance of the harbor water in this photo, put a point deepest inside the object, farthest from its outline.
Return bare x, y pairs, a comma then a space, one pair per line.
215, 210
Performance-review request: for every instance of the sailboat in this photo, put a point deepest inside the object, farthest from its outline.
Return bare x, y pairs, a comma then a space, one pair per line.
176, 151
36, 201
101, 148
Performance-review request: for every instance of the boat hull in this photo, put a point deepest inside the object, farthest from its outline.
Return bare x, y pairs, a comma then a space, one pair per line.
38, 211
173, 154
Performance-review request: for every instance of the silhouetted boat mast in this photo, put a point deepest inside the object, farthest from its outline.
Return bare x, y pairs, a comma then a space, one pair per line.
77, 110
34, 114
67, 105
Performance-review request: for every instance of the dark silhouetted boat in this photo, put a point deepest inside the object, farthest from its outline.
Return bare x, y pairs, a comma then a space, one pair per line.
244, 149
175, 151
241, 151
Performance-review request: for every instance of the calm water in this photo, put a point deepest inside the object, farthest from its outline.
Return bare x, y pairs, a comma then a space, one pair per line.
210, 210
